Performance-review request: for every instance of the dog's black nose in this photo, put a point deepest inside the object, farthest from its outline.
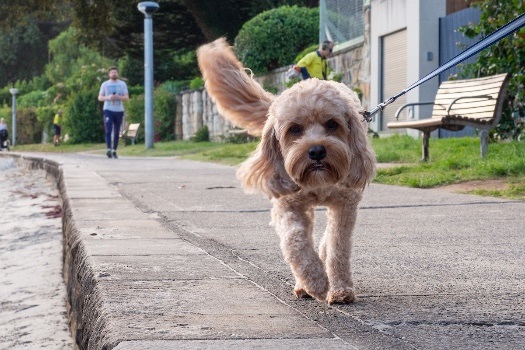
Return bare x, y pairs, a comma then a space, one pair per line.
317, 152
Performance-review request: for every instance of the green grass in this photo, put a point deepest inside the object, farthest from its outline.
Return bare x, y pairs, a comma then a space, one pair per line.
224, 153
63, 148
452, 160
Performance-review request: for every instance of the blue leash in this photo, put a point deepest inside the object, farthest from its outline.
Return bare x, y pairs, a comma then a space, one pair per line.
495, 36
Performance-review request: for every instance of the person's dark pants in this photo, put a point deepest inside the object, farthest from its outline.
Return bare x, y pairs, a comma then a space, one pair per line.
3, 137
56, 130
112, 122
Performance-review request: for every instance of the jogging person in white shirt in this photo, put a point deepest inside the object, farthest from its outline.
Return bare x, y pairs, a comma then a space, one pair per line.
113, 92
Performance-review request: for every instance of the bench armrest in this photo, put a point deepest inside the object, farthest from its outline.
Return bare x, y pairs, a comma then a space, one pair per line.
449, 108
398, 112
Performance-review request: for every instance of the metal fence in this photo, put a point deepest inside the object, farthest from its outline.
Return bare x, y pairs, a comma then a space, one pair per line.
341, 21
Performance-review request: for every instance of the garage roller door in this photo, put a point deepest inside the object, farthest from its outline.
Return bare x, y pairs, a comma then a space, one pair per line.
394, 73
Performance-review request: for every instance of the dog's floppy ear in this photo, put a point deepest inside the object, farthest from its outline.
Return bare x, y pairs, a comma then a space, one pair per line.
239, 97
362, 164
264, 170
363, 160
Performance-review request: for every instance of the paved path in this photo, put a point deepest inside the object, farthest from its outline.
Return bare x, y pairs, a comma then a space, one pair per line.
170, 254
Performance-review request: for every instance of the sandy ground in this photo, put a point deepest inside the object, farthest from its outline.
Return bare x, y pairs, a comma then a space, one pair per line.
32, 291
468, 186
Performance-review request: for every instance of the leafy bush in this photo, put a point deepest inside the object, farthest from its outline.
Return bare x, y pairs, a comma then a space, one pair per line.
197, 83
202, 135
164, 112
273, 38
135, 90
505, 56
36, 98
83, 120
28, 129
45, 116
135, 109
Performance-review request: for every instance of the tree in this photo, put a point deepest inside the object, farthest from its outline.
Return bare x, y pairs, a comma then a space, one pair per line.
505, 56
116, 29
15, 13
68, 57
180, 26
25, 28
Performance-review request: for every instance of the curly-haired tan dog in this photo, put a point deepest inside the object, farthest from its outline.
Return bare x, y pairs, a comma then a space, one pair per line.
314, 151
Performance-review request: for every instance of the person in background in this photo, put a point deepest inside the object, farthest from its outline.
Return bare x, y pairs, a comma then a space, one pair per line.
3, 134
3, 125
113, 92
314, 64
57, 121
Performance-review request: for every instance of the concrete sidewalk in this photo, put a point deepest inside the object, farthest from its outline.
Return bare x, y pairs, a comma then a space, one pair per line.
170, 254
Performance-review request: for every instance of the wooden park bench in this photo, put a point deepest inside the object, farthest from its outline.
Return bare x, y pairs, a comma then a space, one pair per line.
458, 103
131, 133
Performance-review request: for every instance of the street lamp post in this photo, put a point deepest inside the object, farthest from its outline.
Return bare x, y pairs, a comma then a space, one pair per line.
148, 8
13, 92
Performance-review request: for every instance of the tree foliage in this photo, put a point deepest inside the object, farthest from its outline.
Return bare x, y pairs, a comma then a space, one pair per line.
273, 38
23, 52
116, 30
25, 28
15, 13
83, 121
68, 57
505, 56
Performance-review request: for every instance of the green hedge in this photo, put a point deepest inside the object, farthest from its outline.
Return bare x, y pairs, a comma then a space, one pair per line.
164, 112
274, 38
28, 128
83, 121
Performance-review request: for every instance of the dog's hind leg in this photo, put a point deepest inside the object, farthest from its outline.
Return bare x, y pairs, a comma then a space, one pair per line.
295, 228
335, 251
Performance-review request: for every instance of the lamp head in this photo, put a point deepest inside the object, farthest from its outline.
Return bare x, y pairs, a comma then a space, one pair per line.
148, 7
13, 91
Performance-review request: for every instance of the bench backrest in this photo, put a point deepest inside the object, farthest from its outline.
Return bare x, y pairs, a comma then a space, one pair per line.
133, 129
482, 109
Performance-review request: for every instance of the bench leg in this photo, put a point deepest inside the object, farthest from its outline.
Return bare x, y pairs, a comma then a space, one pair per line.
483, 142
426, 137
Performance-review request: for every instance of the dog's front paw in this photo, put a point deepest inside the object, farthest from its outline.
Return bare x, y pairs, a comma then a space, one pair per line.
341, 296
300, 293
317, 289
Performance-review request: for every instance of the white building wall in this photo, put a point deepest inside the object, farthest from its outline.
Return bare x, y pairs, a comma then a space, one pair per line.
421, 20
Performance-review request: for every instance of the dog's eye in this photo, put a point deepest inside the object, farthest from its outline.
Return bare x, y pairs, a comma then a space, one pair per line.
331, 125
295, 130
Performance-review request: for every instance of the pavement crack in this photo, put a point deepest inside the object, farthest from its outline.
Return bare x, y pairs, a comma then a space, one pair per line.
435, 205
478, 323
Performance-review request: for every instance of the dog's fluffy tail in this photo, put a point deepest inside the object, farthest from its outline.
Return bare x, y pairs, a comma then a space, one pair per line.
239, 97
